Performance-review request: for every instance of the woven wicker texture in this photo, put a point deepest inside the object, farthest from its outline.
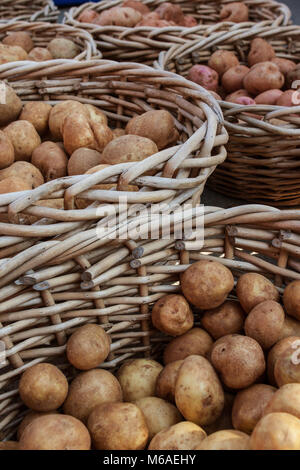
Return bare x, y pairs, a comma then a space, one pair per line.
263, 153
142, 44
30, 10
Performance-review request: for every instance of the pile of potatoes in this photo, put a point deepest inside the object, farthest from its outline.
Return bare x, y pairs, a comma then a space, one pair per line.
266, 79
40, 142
20, 46
134, 13
232, 383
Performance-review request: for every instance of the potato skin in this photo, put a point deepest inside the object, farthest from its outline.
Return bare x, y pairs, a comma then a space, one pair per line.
31, 176
236, 12
285, 65
268, 97
276, 431
166, 381
37, 112
172, 315
287, 365
181, 436
118, 426
198, 392
118, 16
136, 5
138, 377
82, 160
88, 347
291, 299
275, 352
237, 94
43, 387
61, 48
12, 107
9, 445
252, 289
90, 389
58, 114
195, 341
249, 406
221, 61
233, 78
262, 77
12, 54
265, 322
224, 421
31, 416
51, 160
239, 360
7, 152
227, 439
206, 284
204, 76
40, 54
55, 432
260, 51
291, 327
19, 38
224, 320
128, 148
285, 400
24, 138
13, 184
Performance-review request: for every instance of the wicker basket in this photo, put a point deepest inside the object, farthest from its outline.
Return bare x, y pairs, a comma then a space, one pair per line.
263, 162
143, 44
29, 10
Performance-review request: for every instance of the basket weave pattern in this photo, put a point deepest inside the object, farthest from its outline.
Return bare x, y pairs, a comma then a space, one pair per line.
29, 10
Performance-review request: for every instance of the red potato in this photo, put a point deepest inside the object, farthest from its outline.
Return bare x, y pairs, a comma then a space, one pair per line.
153, 20
118, 16
237, 94
285, 65
262, 77
139, 6
204, 76
232, 79
189, 21
260, 51
244, 101
268, 97
289, 98
170, 12
88, 16
236, 12
221, 61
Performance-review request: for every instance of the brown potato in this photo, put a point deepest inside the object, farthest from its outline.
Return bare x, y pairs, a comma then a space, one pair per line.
12, 106
285, 65
285, 400
262, 77
31, 176
43, 387
291, 299
19, 38
7, 152
221, 61
138, 377
172, 315
88, 16
275, 352
55, 432
166, 381
261, 51
249, 406
128, 148
90, 389
239, 360
224, 320
236, 12
159, 414
276, 431
9, 445
37, 112
291, 327
13, 184
181, 436
88, 347
195, 342
31, 416
82, 160
118, 16
118, 426
200, 404
224, 421
95, 114
287, 365
206, 284
268, 97
265, 322
24, 138
136, 5
58, 114
252, 289
51, 160
156, 125
61, 48
170, 12
52, 203
227, 439
12, 54
118, 132
233, 78
40, 54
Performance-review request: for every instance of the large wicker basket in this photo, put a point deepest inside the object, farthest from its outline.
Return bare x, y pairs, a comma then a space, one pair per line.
29, 10
57, 273
263, 154
142, 44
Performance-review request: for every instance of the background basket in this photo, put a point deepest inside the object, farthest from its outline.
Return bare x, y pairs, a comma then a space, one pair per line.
143, 44
42, 33
263, 162
30, 10
75, 277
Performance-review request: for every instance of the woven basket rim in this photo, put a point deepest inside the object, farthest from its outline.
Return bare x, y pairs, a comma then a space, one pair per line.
47, 9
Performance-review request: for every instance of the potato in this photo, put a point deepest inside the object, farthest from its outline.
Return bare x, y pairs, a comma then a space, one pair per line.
29, 417
239, 360
118, 16
43, 387
13, 184
285, 400
156, 125
244, 101
224, 421
51, 160
24, 138
138, 377
268, 97
10, 105
224, 320
181, 436
58, 114
95, 115
285, 65
189, 21
292, 76
249, 406
198, 392
90, 389
82, 160
227, 439
260, 51
172, 315
237, 94
262, 77
276, 431
252, 289
128, 148
236, 12
275, 352
88, 16
166, 380
55, 432
170, 12
12, 54
287, 365
233, 78
118, 132
159, 414
52, 203
288, 98
37, 112
206, 284
195, 342
62, 48
153, 20
291, 327
7, 152
19, 38
291, 299
31, 176
221, 61
265, 322
9, 445
136, 5
204, 76
40, 54
88, 347
118, 426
